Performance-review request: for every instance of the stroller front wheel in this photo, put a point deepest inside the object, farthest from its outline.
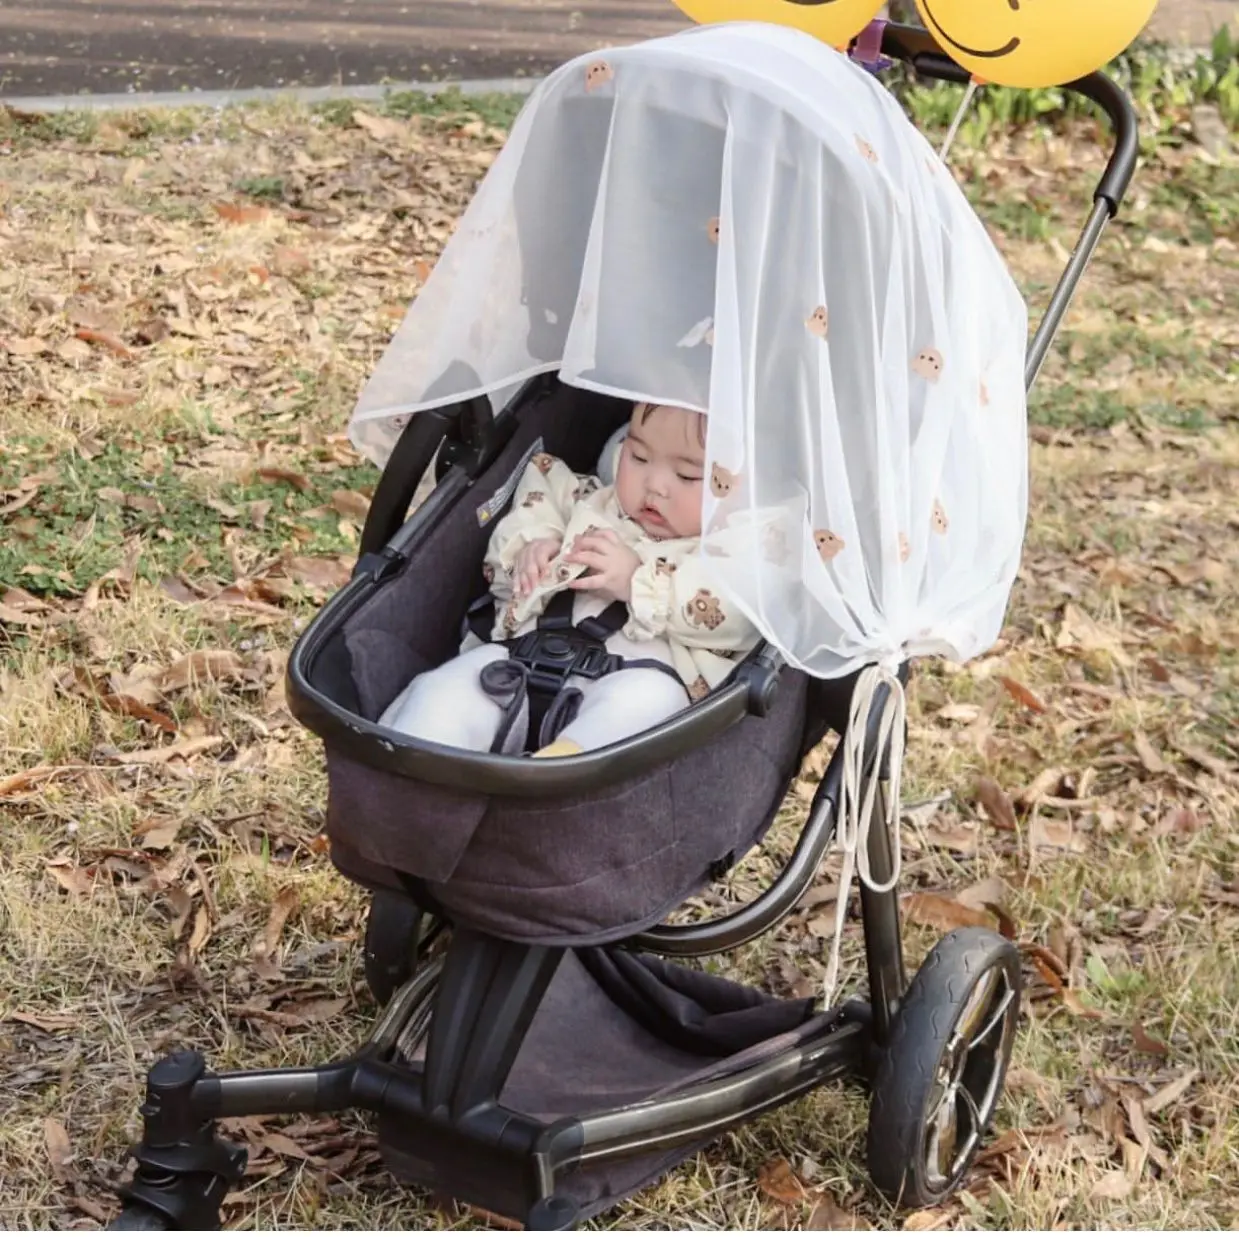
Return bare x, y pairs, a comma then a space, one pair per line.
395, 930
940, 1079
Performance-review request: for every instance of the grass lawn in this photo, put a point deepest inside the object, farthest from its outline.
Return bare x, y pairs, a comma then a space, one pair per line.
189, 303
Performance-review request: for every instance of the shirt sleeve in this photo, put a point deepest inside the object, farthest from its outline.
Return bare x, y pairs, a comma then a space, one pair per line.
541, 507
673, 597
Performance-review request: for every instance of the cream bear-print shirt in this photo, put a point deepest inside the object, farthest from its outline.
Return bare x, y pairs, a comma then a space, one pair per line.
673, 601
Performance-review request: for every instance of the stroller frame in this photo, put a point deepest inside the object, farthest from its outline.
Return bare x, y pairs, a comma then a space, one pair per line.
469, 1007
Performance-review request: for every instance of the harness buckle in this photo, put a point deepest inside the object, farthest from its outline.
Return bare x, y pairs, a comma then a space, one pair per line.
553, 656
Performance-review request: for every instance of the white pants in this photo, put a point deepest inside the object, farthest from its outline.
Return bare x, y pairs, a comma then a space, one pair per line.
447, 705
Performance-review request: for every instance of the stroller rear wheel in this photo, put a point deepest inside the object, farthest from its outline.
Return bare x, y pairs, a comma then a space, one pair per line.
396, 930
940, 1079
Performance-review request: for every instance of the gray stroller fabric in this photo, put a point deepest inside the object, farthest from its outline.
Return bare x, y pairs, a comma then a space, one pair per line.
580, 871
592, 1047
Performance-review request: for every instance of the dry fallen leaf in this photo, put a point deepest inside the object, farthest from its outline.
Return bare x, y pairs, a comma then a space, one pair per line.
76, 880
927, 1220
127, 706
1045, 783
296, 1014
282, 906
1028, 698
381, 128
958, 836
1056, 835
287, 476
289, 262
1114, 1186
59, 1150
319, 575
997, 804
201, 932
282, 1145
1145, 1043
980, 895
31, 346
157, 833
827, 1215
229, 212
50, 1023
202, 666
777, 1180
16, 782
105, 339
932, 910
350, 503
1148, 754
1170, 1093
182, 749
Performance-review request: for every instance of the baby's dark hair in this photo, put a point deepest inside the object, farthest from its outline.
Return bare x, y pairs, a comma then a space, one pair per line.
645, 409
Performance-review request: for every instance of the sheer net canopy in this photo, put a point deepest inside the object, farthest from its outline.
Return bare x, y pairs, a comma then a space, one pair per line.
739, 220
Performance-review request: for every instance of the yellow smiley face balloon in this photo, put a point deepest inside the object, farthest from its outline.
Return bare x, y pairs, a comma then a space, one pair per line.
1034, 42
835, 22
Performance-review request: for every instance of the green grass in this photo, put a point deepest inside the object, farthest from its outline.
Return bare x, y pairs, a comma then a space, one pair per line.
88, 510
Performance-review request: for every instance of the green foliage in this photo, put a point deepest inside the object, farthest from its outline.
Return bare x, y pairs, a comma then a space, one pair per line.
76, 528
449, 106
1162, 85
264, 188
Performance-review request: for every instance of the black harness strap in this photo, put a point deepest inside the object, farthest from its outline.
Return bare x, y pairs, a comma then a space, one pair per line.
532, 685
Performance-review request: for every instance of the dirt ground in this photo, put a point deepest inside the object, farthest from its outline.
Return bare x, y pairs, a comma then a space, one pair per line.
67, 46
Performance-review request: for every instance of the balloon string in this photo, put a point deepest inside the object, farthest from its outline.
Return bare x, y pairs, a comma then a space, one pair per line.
964, 104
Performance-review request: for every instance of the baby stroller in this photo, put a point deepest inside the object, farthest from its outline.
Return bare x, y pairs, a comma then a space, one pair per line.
544, 1051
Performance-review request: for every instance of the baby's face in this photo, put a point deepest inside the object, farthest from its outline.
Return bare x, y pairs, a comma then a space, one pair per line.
658, 481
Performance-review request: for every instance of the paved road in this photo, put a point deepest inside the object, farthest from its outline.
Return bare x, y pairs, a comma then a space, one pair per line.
101, 46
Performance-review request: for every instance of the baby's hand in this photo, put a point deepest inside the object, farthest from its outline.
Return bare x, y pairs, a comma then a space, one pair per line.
532, 564
611, 565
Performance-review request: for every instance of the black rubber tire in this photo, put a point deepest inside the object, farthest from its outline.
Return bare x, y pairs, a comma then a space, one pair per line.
394, 928
138, 1218
907, 1072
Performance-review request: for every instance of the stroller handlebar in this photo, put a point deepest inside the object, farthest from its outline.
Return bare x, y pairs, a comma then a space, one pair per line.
918, 48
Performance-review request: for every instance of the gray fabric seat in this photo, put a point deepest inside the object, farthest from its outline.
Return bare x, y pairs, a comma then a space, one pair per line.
585, 870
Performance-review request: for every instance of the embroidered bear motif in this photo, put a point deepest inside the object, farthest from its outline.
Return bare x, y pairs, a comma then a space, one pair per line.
563, 572
664, 567
533, 498
774, 546
722, 482
829, 545
818, 322
704, 610
928, 364
510, 622
867, 152
698, 689
938, 521
598, 74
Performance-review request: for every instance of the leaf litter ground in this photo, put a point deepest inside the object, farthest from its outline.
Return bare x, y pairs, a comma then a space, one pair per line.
189, 303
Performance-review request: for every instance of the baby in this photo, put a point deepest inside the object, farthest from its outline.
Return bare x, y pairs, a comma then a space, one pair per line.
635, 542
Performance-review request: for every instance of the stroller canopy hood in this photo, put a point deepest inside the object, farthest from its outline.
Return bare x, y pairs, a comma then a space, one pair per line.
738, 219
